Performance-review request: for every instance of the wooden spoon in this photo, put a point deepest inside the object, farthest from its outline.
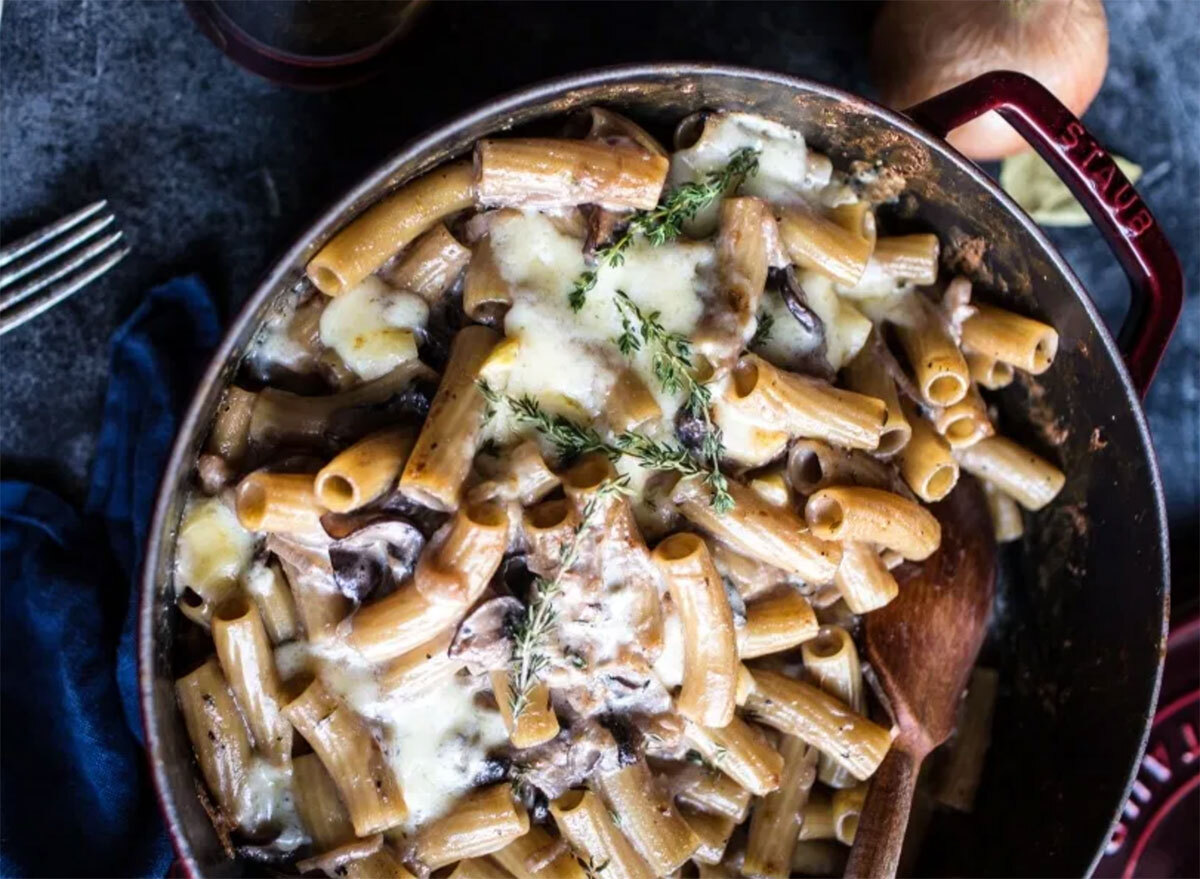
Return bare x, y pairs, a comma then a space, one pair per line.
922, 647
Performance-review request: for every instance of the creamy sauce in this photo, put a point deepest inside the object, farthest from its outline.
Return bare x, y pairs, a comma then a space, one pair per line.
212, 548
372, 327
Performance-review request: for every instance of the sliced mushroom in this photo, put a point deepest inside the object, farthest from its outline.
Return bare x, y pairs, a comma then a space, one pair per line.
483, 640
567, 759
815, 361
374, 559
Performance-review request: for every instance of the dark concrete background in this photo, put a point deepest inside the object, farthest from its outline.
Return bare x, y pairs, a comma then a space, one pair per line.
214, 171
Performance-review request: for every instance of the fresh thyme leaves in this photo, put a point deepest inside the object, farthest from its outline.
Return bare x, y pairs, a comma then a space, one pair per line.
571, 440
529, 658
671, 352
665, 222
672, 363
762, 332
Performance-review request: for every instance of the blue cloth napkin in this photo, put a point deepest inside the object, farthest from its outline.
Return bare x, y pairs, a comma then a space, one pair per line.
75, 793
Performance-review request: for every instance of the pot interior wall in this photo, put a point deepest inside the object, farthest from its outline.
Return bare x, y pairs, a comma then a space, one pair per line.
1079, 617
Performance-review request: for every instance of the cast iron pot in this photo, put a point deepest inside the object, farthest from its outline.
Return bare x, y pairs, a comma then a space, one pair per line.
1080, 620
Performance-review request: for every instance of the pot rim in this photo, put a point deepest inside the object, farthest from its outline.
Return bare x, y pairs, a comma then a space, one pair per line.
543, 92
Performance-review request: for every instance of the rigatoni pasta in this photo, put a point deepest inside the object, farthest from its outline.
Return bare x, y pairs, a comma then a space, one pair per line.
546, 519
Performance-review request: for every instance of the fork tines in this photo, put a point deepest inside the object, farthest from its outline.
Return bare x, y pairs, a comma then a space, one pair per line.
44, 268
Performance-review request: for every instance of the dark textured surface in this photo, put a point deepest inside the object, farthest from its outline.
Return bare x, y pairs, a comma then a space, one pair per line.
212, 170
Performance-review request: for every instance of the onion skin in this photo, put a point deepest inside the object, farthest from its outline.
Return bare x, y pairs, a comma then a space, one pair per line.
920, 48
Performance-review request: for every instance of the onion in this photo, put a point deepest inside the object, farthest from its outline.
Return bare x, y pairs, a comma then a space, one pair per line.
920, 48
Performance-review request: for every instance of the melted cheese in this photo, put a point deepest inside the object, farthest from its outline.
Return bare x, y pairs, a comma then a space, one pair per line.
846, 328
265, 802
212, 547
781, 177
372, 327
566, 359
437, 743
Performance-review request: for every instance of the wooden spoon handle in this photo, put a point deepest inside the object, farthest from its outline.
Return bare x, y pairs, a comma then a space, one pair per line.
884, 818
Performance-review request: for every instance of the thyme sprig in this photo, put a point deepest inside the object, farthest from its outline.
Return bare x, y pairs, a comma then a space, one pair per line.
762, 332
665, 222
531, 633
671, 360
570, 440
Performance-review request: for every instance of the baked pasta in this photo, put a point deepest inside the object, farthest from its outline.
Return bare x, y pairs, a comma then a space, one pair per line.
532, 538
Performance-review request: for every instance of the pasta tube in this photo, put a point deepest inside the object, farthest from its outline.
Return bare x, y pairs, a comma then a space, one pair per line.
218, 736
485, 291
814, 242
849, 513
371, 238
447, 443
813, 465
431, 265
266, 585
463, 555
479, 868
309, 573
710, 641
283, 503
536, 723
938, 366
706, 791
648, 819
481, 823
249, 666
364, 471
761, 531
421, 668
750, 577
804, 407
741, 751
281, 417
826, 723
867, 376
862, 579
776, 623
1006, 514
926, 464
351, 755
557, 173
402, 621
912, 258
1029, 480
847, 806
630, 404
742, 264
713, 831
585, 822
776, 821
816, 818
966, 422
988, 372
231, 425
537, 855
318, 805
832, 660
1027, 344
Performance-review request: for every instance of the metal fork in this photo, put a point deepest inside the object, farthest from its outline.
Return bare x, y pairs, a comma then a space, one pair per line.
56, 261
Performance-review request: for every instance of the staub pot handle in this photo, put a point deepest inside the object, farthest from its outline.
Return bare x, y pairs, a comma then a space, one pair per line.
1087, 169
